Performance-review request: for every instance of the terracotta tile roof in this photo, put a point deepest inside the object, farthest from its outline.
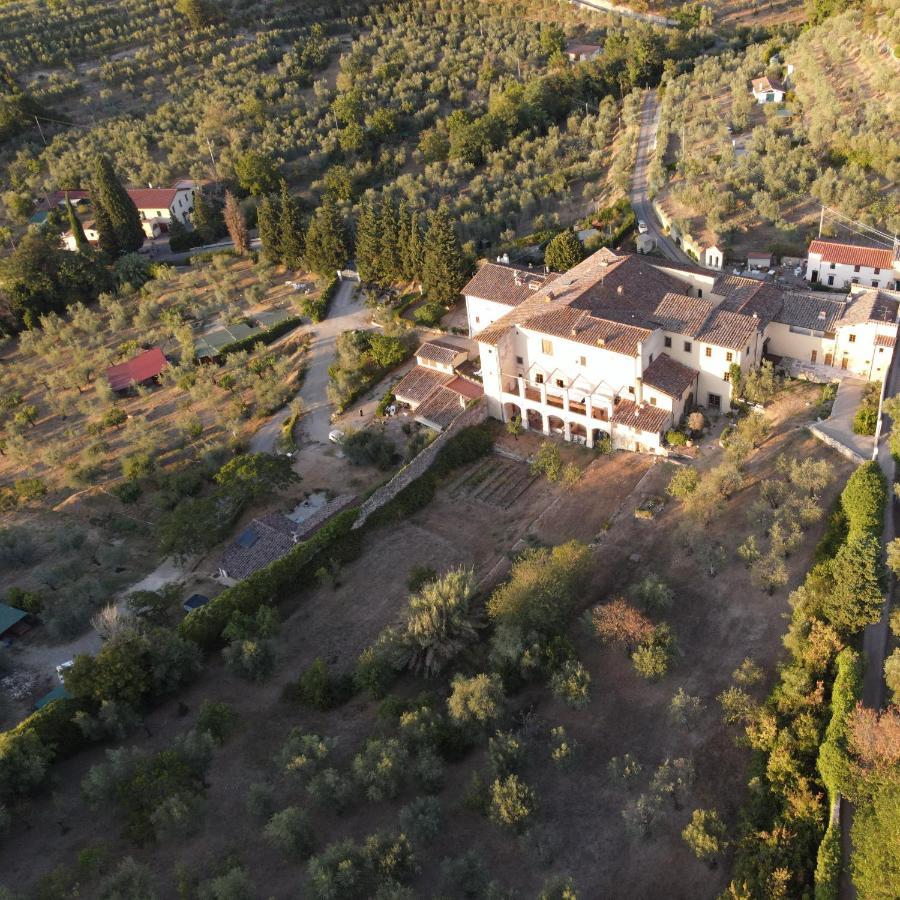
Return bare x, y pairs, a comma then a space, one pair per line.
468, 389
669, 376
727, 329
439, 351
153, 198
766, 84
305, 529
418, 383
142, 368
58, 197
441, 408
759, 298
870, 306
853, 254
818, 312
885, 340
643, 417
583, 49
497, 282
580, 326
682, 314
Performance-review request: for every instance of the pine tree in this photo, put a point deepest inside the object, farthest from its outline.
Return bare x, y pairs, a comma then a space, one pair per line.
290, 229
81, 241
236, 223
106, 234
268, 214
404, 232
367, 242
195, 11
207, 217
388, 242
326, 239
123, 214
443, 266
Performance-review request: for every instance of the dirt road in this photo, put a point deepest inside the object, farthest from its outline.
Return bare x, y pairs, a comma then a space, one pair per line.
640, 199
348, 311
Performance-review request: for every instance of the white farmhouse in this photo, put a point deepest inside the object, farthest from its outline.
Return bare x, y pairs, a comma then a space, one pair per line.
839, 265
622, 346
768, 90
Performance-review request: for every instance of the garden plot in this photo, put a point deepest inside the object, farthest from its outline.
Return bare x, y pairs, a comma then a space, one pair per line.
495, 481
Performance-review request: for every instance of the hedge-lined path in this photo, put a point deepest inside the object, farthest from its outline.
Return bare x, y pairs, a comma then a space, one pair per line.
348, 311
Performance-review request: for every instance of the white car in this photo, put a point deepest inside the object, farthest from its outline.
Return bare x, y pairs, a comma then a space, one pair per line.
336, 436
62, 668
642, 226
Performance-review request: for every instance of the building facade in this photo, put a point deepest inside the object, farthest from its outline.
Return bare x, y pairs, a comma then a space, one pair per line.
837, 265
622, 347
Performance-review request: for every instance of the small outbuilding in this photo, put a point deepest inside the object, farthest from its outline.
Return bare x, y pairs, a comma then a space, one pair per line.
142, 369
582, 52
768, 90
12, 621
759, 259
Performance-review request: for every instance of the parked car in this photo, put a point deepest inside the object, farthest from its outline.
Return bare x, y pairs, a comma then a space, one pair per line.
642, 226
336, 436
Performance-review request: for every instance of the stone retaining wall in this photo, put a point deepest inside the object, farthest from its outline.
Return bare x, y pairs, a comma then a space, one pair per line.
473, 415
843, 449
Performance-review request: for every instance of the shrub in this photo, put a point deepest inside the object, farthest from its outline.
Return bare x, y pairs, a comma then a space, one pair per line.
464, 875
828, 865
684, 710
651, 660
218, 720
561, 746
653, 593
340, 872
302, 753
421, 819
641, 815
378, 665
250, 659
289, 831
618, 622
512, 802
477, 700
418, 577
560, 887
624, 769
682, 483
571, 683
864, 497
316, 688
330, 790
369, 447
547, 462
506, 753
234, 884
380, 768
865, 421
260, 802
130, 881
675, 438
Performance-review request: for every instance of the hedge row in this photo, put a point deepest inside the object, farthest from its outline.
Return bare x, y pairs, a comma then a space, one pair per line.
335, 540
262, 337
317, 307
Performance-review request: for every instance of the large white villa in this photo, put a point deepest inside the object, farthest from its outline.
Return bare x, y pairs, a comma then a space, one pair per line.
622, 345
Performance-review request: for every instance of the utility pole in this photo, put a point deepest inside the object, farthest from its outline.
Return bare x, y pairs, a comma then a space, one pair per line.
212, 159
821, 220
40, 130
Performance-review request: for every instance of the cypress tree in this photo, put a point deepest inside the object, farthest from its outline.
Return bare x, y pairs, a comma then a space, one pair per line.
207, 217
268, 214
81, 241
123, 214
367, 241
404, 231
388, 242
106, 234
236, 223
563, 252
290, 229
416, 251
326, 240
443, 265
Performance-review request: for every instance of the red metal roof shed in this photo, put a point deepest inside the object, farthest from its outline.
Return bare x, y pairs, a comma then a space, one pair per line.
142, 368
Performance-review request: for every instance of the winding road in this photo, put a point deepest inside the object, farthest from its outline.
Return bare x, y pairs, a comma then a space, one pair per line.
640, 180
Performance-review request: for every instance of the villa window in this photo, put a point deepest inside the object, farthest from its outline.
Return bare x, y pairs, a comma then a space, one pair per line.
538, 379
653, 401
831, 266
852, 338
856, 268
709, 351
729, 356
560, 383
477, 319
714, 401
631, 389
726, 376
699, 292
547, 347
651, 358
582, 360
831, 279
687, 346
667, 341
877, 271
874, 282
520, 361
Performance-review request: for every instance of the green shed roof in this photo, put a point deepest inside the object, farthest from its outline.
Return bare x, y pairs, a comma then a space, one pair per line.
9, 615
58, 693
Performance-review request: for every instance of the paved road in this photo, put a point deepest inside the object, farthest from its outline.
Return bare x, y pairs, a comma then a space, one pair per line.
347, 311
640, 181
163, 255
607, 6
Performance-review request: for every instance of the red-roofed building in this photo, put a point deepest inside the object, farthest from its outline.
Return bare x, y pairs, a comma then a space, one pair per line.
143, 368
838, 265
768, 90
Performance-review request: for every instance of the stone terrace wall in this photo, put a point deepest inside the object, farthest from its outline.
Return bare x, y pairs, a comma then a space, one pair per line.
473, 415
